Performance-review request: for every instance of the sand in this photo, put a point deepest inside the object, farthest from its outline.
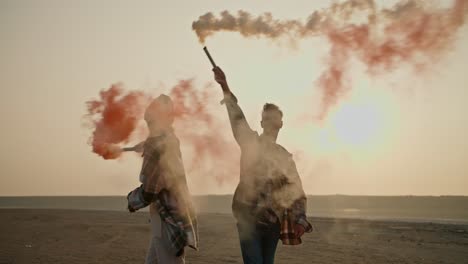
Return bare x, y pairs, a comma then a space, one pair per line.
73, 236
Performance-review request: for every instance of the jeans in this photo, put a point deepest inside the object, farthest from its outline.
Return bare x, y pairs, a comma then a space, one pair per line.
258, 242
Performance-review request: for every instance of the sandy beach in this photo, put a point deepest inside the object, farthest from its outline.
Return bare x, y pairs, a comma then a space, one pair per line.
74, 236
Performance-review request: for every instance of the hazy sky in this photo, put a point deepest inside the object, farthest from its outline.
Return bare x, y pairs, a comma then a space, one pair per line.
401, 133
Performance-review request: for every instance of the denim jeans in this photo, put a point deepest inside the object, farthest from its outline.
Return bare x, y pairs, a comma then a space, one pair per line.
258, 242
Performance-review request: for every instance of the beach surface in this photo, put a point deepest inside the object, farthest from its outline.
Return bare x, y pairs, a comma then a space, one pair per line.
80, 236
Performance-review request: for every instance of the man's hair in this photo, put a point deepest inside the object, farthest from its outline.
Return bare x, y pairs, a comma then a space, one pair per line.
272, 107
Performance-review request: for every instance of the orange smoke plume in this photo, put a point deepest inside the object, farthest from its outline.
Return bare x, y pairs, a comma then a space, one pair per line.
212, 149
412, 32
116, 115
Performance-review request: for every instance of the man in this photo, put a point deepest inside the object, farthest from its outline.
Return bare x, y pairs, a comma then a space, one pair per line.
269, 202
164, 188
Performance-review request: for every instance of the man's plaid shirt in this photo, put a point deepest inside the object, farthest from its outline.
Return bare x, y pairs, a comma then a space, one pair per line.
164, 183
270, 188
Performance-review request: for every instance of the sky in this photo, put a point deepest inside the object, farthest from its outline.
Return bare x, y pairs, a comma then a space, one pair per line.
399, 133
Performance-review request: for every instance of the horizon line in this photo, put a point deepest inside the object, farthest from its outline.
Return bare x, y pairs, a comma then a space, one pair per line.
228, 194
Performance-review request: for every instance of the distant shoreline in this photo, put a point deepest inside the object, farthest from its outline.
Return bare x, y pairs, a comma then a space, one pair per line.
221, 195
419, 209
313, 217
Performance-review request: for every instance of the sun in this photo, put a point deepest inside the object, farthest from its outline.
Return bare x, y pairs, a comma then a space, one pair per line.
361, 123
357, 125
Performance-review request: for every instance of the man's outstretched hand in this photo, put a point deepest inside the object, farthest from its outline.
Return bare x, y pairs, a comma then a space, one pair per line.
220, 78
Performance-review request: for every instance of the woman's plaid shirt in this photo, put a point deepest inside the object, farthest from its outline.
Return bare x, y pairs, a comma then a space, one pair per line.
164, 183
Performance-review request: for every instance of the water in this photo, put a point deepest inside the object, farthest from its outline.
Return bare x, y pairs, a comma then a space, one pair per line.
441, 209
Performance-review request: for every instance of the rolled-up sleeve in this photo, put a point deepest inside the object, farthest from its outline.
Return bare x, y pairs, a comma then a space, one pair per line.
239, 125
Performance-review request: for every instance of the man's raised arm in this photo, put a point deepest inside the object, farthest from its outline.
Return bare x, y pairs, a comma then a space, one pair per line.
240, 128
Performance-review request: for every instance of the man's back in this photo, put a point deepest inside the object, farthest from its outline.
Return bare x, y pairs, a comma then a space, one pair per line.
267, 177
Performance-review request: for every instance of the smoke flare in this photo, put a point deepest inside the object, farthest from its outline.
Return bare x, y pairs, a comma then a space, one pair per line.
413, 32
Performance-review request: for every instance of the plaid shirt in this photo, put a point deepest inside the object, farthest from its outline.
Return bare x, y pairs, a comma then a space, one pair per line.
164, 183
270, 188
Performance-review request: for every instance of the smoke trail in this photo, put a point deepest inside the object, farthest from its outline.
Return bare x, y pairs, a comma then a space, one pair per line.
115, 117
413, 32
266, 26
245, 24
213, 151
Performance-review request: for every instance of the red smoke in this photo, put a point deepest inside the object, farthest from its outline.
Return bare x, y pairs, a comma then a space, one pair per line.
412, 35
117, 115
213, 149
414, 32
417, 37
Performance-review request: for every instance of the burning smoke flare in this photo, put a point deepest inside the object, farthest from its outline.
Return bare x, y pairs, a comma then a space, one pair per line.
117, 115
413, 32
